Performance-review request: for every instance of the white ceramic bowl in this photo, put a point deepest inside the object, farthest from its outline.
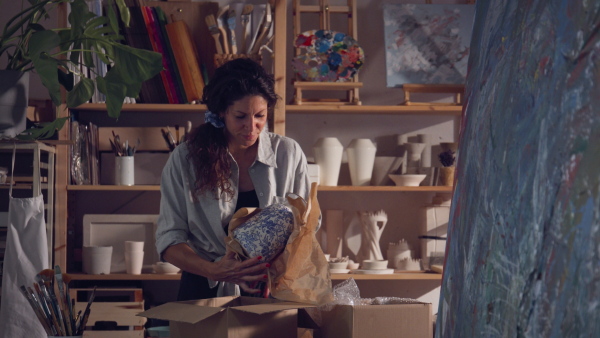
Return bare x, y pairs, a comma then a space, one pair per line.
374, 265
407, 180
338, 265
353, 266
165, 268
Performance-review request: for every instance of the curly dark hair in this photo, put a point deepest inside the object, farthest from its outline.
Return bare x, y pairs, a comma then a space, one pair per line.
207, 144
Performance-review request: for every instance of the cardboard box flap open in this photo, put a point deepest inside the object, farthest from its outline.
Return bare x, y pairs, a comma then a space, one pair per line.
260, 309
188, 312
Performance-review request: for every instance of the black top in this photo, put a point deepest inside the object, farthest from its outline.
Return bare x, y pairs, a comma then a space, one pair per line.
247, 199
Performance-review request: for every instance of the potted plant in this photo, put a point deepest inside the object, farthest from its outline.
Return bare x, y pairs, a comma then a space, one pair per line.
55, 54
447, 159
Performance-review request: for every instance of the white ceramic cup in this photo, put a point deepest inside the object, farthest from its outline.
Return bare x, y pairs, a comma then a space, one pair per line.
131, 246
134, 260
124, 170
97, 259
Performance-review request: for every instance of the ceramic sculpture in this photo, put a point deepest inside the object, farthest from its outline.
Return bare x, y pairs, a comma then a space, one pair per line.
361, 159
373, 224
328, 155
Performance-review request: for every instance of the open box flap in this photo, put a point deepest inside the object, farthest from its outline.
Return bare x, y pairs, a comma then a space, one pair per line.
187, 312
271, 307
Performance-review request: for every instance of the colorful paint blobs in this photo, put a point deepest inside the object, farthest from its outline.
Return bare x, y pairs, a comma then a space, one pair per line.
327, 56
427, 44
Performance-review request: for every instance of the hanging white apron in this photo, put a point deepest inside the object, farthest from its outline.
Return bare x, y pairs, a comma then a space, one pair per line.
26, 254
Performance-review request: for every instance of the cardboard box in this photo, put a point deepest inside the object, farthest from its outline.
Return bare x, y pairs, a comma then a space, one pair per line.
230, 317
373, 321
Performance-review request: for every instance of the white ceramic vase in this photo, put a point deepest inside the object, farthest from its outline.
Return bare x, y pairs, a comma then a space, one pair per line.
328, 155
426, 154
414, 155
397, 252
361, 159
373, 224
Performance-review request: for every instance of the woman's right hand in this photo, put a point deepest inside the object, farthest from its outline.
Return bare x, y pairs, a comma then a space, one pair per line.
229, 269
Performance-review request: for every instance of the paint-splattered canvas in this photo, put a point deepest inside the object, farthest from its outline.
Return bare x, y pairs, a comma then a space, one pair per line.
523, 253
427, 44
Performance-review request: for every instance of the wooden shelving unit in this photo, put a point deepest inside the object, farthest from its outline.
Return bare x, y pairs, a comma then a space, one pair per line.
437, 110
404, 275
440, 189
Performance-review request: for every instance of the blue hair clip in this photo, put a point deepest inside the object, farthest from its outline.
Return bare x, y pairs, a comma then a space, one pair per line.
212, 118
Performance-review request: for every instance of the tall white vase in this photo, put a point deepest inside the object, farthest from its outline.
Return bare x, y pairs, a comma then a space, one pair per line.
328, 155
361, 159
373, 224
414, 156
426, 155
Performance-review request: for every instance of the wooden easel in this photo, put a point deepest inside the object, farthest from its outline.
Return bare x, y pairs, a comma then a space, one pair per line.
325, 10
456, 89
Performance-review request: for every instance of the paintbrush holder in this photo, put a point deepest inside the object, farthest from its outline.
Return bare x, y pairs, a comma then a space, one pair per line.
221, 59
124, 170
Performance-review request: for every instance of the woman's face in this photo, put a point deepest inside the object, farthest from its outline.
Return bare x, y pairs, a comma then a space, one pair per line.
244, 121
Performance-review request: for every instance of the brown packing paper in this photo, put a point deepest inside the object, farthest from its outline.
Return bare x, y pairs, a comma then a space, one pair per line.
300, 273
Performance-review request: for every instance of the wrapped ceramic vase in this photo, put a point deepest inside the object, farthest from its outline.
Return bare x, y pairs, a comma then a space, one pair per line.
265, 233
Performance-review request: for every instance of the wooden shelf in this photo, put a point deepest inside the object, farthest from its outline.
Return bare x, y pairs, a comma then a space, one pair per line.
145, 107
124, 276
439, 110
442, 189
406, 275
113, 188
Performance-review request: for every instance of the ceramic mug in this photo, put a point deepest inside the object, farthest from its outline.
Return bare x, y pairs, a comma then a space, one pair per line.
97, 259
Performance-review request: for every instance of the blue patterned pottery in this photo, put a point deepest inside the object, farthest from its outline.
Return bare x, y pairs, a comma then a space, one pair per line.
266, 233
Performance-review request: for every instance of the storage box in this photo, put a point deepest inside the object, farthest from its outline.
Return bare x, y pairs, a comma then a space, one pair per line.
114, 308
373, 321
230, 317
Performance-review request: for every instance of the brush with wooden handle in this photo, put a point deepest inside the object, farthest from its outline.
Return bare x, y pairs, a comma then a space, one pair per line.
221, 24
214, 31
231, 25
29, 294
264, 30
245, 20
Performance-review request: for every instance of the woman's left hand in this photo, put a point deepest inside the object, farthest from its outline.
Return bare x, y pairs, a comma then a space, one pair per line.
229, 269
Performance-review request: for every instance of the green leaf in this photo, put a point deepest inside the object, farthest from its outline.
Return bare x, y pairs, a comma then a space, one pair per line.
115, 92
66, 79
124, 12
40, 44
46, 130
135, 65
81, 93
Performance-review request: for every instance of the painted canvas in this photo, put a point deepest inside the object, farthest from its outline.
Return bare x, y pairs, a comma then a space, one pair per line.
427, 44
523, 252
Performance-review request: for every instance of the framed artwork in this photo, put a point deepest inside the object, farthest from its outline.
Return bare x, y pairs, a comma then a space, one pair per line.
427, 44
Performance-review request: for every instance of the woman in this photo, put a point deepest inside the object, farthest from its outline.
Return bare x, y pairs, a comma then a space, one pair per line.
228, 163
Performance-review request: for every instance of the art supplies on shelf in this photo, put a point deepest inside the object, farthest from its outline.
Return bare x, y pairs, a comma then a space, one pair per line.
52, 304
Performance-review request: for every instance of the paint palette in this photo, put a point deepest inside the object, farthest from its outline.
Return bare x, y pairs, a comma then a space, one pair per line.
327, 56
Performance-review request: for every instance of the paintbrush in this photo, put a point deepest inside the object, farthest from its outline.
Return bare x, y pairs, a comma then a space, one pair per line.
265, 25
245, 20
214, 31
64, 289
47, 276
86, 313
49, 308
221, 24
61, 300
43, 300
29, 295
231, 26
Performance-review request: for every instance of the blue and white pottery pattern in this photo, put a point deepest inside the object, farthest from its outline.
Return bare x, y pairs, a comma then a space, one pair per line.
266, 233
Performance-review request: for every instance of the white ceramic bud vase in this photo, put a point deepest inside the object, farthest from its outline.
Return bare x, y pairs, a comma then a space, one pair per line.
328, 156
361, 159
414, 154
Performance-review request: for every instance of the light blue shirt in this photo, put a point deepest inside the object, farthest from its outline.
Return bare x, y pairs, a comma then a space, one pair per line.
280, 168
